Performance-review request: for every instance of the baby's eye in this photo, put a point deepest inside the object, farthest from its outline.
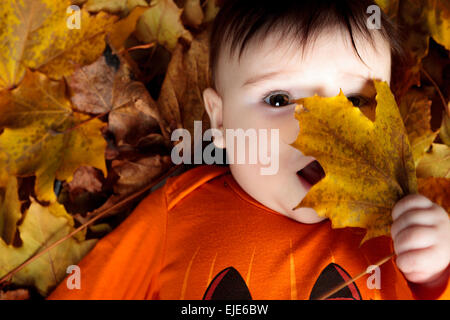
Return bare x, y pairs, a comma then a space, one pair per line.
278, 99
358, 101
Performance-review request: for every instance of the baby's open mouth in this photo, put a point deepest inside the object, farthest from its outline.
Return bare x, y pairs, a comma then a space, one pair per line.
312, 173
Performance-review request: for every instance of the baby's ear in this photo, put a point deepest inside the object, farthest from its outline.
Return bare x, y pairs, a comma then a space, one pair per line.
214, 108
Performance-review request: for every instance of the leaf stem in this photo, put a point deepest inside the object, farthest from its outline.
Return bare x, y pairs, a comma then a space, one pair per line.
143, 46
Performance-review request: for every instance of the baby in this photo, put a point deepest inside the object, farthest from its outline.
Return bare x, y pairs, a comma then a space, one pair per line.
218, 232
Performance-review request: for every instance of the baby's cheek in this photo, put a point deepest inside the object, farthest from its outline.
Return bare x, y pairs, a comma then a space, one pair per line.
289, 134
287, 125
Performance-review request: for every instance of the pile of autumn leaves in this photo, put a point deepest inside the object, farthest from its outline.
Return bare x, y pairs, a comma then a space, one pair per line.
79, 128
86, 116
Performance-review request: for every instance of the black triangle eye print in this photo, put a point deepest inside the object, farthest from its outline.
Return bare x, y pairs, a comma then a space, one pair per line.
228, 284
331, 277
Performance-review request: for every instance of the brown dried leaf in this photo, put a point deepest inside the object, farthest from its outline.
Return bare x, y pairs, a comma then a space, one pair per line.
193, 13
133, 176
180, 101
17, 294
86, 179
91, 87
100, 88
135, 113
437, 190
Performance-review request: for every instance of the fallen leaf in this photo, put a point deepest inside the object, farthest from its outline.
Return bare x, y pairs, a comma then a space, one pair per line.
438, 15
444, 132
192, 13
435, 163
100, 88
78, 2
162, 23
133, 176
86, 179
437, 190
390, 7
211, 10
35, 35
181, 101
41, 227
420, 20
91, 87
9, 209
120, 7
368, 165
121, 30
135, 113
411, 16
44, 137
17, 294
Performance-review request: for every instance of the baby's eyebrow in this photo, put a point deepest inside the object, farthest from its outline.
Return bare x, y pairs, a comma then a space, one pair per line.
261, 77
357, 75
278, 73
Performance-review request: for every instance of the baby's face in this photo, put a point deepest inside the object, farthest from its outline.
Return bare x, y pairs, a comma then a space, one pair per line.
257, 93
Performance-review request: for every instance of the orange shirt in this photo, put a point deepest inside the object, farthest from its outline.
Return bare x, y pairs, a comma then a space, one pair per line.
201, 236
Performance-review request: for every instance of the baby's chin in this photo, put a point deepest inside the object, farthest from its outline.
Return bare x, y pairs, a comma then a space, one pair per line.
305, 215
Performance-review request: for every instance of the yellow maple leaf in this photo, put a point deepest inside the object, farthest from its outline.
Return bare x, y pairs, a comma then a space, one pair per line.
35, 34
41, 227
368, 165
121, 30
435, 163
44, 137
162, 23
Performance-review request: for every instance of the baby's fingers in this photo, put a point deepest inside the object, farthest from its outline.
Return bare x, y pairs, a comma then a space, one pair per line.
415, 217
412, 201
419, 265
413, 238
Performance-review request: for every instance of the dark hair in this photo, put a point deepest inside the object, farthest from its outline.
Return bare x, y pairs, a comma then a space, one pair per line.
240, 21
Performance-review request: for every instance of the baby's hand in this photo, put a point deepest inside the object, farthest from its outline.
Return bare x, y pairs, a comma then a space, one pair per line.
421, 234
